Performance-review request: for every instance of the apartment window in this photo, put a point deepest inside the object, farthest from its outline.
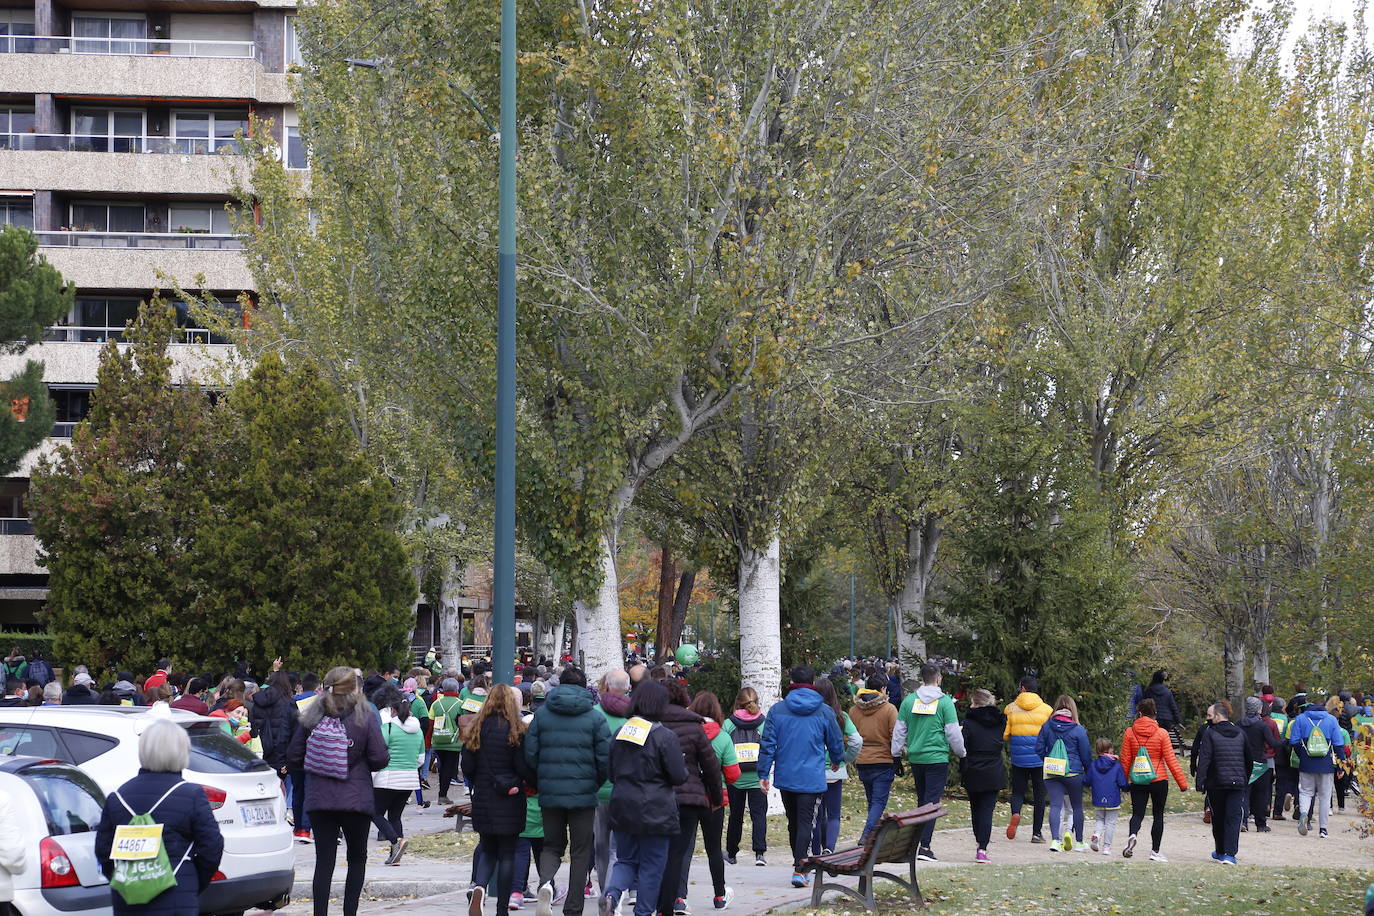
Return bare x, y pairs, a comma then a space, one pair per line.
72, 404
295, 150
212, 219
14, 121
294, 58
14, 510
16, 211
109, 34
103, 318
16, 23
208, 131
102, 130
108, 217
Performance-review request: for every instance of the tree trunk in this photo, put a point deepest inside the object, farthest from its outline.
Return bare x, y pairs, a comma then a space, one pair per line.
923, 540
451, 618
560, 636
1260, 663
598, 620
1233, 663
681, 602
760, 627
663, 630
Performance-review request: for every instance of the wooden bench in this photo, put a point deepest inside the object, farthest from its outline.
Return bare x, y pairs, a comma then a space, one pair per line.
895, 839
462, 811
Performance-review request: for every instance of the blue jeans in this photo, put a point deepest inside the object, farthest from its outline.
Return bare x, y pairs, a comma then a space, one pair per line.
640, 861
1060, 787
826, 831
877, 780
931, 779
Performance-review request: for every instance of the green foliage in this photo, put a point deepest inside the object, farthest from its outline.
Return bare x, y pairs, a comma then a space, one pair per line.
32, 297
720, 675
28, 643
216, 534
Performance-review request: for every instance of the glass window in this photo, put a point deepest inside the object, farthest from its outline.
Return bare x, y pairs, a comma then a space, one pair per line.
212, 751
12, 23
71, 802
13, 491
102, 34
216, 128
72, 405
16, 211
83, 746
104, 318
13, 123
31, 742
107, 130
295, 149
207, 218
294, 57
108, 217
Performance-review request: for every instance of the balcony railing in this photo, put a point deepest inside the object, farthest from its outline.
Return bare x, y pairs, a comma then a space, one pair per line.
15, 526
197, 240
100, 143
71, 333
63, 430
128, 47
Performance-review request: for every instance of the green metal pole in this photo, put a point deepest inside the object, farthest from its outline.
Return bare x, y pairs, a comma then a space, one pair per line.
503, 560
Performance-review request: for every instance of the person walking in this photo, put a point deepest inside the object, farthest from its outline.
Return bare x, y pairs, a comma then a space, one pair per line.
1105, 780
1224, 763
494, 765
1165, 705
614, 703
1262, 734
745, 727
272, 719
446, 738
1316, 739
706, 705
798, 734
567, 746
340, 746
1336, 707
190, 837
927, 732
702, 790
875, 718
392, 785
646, 767
1063, 745
981, 770
1147, 759
1026, 715
825, 834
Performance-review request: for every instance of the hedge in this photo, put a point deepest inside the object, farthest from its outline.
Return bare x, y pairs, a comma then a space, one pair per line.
28, 643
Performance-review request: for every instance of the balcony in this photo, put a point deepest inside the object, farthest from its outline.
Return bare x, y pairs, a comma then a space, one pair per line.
100, 143
150, 68
69, 167
135, 260
69, 333
19, 555
16, 525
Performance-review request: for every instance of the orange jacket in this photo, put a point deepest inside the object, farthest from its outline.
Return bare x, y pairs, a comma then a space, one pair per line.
1145, 732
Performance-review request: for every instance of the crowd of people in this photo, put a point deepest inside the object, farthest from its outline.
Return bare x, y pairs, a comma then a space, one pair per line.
617, 779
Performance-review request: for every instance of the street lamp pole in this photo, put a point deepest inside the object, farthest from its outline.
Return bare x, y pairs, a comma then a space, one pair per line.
503, 554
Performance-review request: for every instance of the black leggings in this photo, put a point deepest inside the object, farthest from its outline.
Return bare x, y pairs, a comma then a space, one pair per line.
756, 800
327, 826
688, 817
1156, 793
498, 856
390, 804
448, 770
981, 807
712, 825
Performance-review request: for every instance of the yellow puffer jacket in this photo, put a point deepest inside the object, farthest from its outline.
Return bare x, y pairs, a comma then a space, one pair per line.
1025, 715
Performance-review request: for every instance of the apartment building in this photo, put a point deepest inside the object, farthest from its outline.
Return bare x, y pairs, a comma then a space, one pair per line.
116, 121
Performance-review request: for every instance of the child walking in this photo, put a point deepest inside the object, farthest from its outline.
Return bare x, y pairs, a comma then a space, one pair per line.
1106, 779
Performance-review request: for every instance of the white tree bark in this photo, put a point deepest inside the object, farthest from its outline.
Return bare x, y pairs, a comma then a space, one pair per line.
451, 618
1233, 664
760, 626
598, 620
923, 540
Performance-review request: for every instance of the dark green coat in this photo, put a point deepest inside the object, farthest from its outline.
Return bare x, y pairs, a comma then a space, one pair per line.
569, 745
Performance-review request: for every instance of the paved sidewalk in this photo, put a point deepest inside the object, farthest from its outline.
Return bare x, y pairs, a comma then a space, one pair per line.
426, 887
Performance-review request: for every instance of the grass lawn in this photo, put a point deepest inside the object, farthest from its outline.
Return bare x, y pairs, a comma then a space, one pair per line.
1162, 890
448, 845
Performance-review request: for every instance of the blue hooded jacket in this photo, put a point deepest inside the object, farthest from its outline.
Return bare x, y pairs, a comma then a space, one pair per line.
797, 735
1075, 739
1106, 779
1309, 720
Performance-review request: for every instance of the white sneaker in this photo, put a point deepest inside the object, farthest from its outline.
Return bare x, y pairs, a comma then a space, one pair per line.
1106, 850
544, 905
1079, 847
1094, 843
1157, 857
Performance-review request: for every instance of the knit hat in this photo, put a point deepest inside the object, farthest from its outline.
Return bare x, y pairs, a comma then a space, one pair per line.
410, 685
1253, 705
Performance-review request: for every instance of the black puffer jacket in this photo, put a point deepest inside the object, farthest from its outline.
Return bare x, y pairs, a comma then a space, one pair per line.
1259, 736
493, 770
1224, 760
982, 769
1166, 710
273, 720
703, 786
643, 777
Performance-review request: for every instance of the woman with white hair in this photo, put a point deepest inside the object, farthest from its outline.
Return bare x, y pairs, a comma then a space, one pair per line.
189, 835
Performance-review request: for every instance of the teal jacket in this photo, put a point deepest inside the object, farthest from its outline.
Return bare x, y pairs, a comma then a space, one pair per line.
569, 746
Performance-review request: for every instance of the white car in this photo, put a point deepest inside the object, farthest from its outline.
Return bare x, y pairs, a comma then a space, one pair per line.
58, 808
257, 870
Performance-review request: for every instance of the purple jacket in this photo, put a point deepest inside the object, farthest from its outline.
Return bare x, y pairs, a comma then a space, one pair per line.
367, 753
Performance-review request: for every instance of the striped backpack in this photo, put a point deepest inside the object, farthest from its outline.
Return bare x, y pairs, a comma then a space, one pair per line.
326, 750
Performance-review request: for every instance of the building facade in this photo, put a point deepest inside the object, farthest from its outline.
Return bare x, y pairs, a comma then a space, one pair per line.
118, 121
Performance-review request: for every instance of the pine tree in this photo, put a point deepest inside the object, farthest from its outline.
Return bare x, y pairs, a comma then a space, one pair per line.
32, 297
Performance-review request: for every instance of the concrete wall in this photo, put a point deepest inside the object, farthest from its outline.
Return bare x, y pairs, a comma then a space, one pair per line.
137, 268
138, 173
152, 76
76, 363
19, 554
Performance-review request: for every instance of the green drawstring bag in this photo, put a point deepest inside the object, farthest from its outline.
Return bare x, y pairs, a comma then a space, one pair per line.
142, 870
1142, 768
1057, 763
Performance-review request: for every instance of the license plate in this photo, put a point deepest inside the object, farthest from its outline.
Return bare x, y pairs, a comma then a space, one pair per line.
258, 815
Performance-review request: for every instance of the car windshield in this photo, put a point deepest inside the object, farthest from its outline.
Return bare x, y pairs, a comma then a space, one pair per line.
71, 801
212, 751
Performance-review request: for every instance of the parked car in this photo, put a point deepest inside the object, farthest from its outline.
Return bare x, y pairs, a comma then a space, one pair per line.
257, 870
58, 807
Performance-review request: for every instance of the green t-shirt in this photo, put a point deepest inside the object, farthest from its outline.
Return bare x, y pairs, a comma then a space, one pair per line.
724, 746
445, 734
925, 728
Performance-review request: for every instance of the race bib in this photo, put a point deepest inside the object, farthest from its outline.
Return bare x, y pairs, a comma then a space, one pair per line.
924, 709
136, 843
472, 704
635, 730
439, 723
747, 753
